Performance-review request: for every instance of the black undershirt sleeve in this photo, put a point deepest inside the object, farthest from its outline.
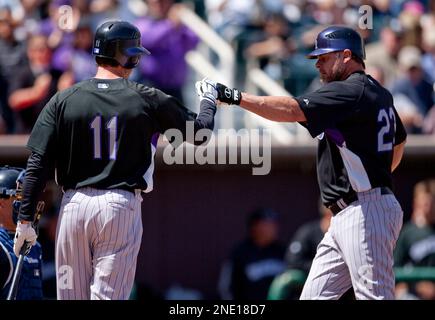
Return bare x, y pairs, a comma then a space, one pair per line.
36, 177
205, 119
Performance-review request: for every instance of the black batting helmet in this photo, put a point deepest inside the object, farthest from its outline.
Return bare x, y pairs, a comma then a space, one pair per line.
119, 41
338, 38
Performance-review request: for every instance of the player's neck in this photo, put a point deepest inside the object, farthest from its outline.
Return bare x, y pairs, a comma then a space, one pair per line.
352, 69
112, 73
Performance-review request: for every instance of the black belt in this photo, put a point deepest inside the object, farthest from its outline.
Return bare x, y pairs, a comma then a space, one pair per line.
347, 200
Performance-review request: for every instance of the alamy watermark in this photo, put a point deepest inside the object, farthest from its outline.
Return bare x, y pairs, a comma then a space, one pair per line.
66, 19
245, 146
65, 277
365, 21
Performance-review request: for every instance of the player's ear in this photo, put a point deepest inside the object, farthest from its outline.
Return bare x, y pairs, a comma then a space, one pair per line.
347, 55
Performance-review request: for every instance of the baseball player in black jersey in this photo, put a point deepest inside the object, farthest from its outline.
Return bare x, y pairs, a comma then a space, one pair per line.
100, 136
361, 141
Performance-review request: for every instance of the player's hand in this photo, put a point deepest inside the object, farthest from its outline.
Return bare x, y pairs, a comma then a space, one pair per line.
227, 95
206, 89
24, 233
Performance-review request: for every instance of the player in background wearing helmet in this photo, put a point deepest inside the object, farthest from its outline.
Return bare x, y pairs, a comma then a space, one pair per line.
100, 136
30, 287
361, 141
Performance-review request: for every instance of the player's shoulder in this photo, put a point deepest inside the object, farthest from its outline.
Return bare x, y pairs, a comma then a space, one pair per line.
350, 88
356, 81
140, 88
149, 94
64, 94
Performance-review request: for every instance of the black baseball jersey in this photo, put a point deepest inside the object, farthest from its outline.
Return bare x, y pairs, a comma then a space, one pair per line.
103, 133
358, 126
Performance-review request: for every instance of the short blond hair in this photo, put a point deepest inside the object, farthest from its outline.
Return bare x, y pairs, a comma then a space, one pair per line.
425, 186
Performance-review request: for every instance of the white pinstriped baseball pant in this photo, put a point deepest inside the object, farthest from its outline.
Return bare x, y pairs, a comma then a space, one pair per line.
97, 242
357, 251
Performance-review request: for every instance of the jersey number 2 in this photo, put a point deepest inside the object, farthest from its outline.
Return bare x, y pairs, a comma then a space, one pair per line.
385, 138
111, 129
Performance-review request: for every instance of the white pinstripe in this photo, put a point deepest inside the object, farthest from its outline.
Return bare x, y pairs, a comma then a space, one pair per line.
357, 250
98, 236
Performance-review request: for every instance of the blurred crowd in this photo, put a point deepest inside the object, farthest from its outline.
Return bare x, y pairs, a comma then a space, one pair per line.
45, 46
399, 38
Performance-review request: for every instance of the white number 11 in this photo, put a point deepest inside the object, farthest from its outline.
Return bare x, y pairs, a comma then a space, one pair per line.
111, 127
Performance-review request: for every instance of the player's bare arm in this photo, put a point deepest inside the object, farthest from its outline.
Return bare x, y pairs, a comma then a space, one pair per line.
275, 108
397, 155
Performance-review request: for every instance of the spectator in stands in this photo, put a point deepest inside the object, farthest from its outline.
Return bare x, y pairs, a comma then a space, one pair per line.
413, 86
274, 46
59, 26
428, 59
384, 53
168, 41
231, 18
254, 262
12, 54
410, 20
76, 58
416, 244
33, 84
429, 122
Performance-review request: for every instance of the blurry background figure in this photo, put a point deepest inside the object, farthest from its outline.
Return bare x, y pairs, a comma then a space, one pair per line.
58, 30
377, 73
12, 54
412, 93
303, 246
299, 256
273, 46
168, 41
34, 84
255, 261
383, 53
416, 244
428, 65
76, 58
30, 286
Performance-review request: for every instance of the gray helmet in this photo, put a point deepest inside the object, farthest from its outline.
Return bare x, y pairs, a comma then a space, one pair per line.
119, 41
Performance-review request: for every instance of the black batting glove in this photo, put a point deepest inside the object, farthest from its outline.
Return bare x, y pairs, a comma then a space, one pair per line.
227, 95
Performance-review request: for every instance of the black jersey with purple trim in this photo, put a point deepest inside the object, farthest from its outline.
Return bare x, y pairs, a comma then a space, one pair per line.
103, 133
357, 127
